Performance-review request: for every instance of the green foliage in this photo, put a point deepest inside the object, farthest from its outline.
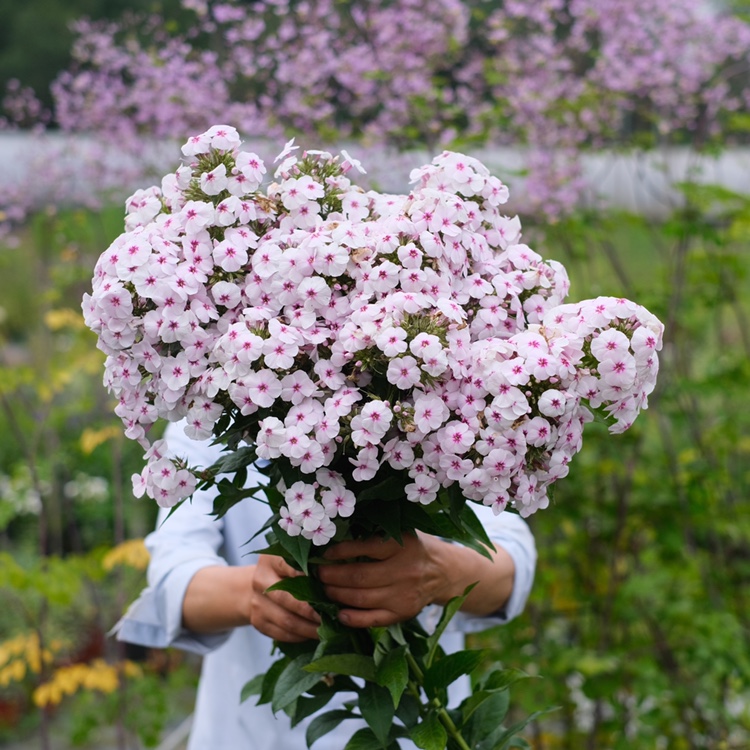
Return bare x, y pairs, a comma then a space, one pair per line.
402, 677
638, 622
65, 492
36, 38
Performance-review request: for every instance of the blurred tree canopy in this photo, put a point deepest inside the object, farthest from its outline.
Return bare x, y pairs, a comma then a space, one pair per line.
36, 38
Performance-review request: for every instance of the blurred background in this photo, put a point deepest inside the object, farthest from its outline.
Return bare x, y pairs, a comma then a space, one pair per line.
623, 132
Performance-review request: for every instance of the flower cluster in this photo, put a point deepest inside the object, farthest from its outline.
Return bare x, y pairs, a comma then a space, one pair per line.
559, 75
355, 333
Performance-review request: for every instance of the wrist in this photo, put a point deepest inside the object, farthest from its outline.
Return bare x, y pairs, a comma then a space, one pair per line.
444, 576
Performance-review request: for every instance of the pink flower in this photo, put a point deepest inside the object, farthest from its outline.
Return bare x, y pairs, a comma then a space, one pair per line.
403, 372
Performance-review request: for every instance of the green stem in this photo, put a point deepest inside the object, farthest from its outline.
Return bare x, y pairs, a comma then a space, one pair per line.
443, 715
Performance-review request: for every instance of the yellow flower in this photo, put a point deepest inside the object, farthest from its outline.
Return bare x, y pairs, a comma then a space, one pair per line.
132, 553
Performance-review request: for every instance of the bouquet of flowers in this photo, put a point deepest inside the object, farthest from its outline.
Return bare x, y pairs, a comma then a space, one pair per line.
388, 356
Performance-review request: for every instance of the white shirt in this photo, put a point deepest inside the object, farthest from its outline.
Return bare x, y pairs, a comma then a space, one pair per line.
192, 539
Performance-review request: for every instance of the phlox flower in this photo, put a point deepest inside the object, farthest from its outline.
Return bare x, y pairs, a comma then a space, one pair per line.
330, 259
226, 294
223, 137
410, 256
455, 467
350, 162
365, 464
498, 501
311, 459
391, 341
306, 414
230, 256
327, 428
423, 489
323, 532
300, 498
271, 435
455, 437
175, 372
213, 182
252, 167
376, 417
279, 355
539, 432
288, 523
430, 412
340, 403
618, 372
197, 144
355, 206
435, 362
264, 387
297, 386
403, 372
610, 344
553, 403
196, 216
424, 345
314, 292
338, 501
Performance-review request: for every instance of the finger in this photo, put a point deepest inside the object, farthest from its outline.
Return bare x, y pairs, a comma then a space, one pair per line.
282, 568
377, 548
368, 618
288, 635
286, 601
283, 624
361, 598
357, 575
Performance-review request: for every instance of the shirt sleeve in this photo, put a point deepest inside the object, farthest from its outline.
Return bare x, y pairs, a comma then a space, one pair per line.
182, 544
509, 531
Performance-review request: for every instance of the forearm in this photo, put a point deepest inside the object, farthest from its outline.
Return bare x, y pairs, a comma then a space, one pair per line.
460, 567
218, 598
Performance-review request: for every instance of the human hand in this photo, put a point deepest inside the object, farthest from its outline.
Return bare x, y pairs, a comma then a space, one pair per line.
277, 613
394, 585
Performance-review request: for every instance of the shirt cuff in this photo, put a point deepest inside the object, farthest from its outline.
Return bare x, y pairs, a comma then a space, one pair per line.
155, 618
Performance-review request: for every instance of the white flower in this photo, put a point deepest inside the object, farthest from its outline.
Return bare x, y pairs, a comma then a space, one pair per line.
403, 372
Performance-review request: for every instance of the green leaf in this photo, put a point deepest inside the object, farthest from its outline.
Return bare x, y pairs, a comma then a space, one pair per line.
391, 488
293, 681
500, 679
377, 709
269, 680
487, 718
354, 665
297, 547
448, 669
253, 687
300, 587
408, 710
234, 461
384, 515
449, 611
474, 527
325, 723
364, 739
393, 673
429, 734
304, 706
503, 738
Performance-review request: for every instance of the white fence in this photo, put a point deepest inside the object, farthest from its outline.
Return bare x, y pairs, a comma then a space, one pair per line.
59, 168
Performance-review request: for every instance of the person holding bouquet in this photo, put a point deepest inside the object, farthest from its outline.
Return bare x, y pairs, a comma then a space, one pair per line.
375, 366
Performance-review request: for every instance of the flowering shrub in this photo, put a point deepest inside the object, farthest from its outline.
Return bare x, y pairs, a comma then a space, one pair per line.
558, 76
